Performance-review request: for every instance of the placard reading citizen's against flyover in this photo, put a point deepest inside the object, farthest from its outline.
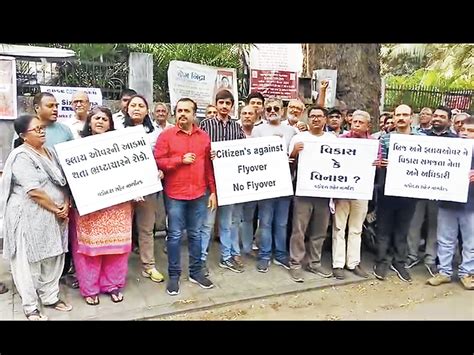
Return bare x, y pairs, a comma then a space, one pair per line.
109, 168
435, 168
251, 169
339, 168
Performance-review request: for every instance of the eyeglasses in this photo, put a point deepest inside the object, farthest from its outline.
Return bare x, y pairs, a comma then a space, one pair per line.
37, 129
274, 108
316, 116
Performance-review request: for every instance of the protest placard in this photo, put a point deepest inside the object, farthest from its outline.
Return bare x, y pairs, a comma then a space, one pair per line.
251, 169
109, 168
434, 168
338, 168
63, 96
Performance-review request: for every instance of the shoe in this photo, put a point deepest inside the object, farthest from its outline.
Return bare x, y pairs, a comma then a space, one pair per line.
438, 279
338, 273
319, 270
296, 274
35, 315
153, 274
136, 250
283, 263
172, 288
380, 271
205, 270
360, 272
92, 300
231, 265
60, 306
254, 246
238, 261
412, 262
262, 265
467, 281
201, 280
402, 273
432, 269
160, 234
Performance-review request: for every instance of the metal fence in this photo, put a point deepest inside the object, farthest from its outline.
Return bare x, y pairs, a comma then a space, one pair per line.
420, 96
111, 78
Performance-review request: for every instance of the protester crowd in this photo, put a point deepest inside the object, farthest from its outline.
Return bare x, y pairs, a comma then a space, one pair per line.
45, 238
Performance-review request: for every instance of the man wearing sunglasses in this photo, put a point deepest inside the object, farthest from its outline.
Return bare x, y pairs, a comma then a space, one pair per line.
273, 212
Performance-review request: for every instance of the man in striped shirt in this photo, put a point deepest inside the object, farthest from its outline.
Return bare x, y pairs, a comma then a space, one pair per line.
223, 128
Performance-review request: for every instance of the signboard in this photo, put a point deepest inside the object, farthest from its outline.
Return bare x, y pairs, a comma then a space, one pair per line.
63, 96
109, 168
338, 168
201, 84
435, 168
331, 77
251, 169
8, 104
274, 69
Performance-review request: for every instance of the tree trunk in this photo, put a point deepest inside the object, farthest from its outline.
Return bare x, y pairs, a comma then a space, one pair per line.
358, 72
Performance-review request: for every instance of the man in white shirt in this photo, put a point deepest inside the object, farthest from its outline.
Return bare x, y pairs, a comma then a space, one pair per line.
81, 105
310, 214
161, 114
295, 115
118, 117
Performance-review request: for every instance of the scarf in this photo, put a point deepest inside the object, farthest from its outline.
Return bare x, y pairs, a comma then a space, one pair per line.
51, 168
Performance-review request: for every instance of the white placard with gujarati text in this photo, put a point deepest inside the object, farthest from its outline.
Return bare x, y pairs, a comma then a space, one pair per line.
337, 168
63, 96
109, 168
251, 169
435, 168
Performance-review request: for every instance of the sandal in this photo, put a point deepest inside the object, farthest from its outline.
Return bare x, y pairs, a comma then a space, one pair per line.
92, 300
116, 296
35, 315
60, 306
3, 288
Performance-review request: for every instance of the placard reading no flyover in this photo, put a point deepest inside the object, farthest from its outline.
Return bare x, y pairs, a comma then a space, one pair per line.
251, 169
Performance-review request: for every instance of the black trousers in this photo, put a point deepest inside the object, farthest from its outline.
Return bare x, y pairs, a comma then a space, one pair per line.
394, 215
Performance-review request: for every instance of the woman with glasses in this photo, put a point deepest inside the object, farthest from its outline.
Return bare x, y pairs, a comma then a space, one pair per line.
101, 240
35, 208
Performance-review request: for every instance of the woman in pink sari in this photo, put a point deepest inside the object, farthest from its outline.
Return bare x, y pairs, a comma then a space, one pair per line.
101, 240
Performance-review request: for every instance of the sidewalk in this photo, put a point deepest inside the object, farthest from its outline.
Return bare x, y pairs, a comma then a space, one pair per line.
146, 299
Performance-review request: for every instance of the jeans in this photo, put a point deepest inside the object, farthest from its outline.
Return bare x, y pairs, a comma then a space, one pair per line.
228, 231
246, 229
448, 222
189, 215
414, 234
273, 216
206, 231
393, 221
